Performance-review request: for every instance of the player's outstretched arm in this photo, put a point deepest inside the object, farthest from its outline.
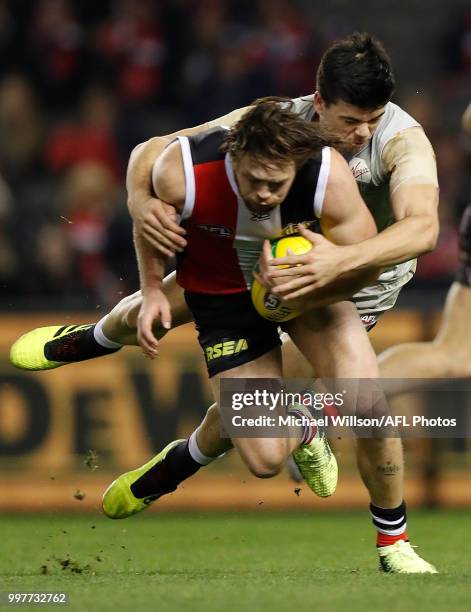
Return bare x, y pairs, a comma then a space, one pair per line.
414, 199
169, 184
149, 216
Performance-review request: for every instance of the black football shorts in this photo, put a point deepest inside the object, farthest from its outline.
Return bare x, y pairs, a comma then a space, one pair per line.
230, 330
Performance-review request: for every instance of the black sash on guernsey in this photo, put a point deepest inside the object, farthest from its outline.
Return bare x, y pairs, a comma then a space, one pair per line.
299, 203
206, 146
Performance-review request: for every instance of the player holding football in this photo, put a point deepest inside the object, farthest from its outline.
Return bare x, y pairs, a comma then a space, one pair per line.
270, 171
394, 166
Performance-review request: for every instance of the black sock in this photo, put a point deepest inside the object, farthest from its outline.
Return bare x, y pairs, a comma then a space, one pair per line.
76, 346
390, 523
165, 476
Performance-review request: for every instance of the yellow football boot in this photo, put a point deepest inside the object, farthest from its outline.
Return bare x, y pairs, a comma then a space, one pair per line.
119, 501
34, 350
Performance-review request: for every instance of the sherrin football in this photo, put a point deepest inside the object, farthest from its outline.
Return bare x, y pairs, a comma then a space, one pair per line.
268, 305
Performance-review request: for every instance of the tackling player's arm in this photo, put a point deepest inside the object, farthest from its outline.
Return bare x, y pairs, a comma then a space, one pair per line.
466, 120
414, 198
168, 180
149, 216
323, 274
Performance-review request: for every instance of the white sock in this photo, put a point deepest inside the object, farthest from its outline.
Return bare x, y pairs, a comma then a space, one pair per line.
195, 452
101, 338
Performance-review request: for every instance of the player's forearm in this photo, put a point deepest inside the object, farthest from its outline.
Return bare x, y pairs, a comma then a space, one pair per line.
466, 120
139, 173
402, 241
343, 288
150, 263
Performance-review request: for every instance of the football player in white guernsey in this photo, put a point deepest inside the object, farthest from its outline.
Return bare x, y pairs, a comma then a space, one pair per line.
394, 166
449, 354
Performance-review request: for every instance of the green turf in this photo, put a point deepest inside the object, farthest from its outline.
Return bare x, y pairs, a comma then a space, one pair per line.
232, 562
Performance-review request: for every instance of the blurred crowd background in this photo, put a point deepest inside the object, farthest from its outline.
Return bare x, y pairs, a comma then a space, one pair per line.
83, 81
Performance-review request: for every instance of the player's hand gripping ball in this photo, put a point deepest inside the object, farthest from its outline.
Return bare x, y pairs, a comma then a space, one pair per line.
268, 305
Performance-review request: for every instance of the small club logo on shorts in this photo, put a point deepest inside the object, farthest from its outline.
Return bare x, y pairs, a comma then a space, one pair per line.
223, 349
369, 321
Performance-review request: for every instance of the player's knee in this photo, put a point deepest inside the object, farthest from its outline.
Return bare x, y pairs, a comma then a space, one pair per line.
266, 466
363, 407
449, 362
124, 314
371, 402
457, 368
263, 469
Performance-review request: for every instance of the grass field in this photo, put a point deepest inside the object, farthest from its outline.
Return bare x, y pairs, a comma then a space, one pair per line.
231, 562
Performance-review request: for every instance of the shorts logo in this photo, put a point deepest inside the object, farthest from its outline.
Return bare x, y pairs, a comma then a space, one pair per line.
219, 230
271, 302
223, 349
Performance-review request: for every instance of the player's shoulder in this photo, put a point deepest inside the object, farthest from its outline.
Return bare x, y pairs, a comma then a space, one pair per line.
206, 146
303, 106
339, 178
338, 166
167, 175
393, 113
394, 121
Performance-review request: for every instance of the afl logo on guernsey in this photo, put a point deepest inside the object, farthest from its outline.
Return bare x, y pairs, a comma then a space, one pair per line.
219, 230
361, 172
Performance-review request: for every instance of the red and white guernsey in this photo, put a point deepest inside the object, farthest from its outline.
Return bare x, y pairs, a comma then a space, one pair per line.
224, 237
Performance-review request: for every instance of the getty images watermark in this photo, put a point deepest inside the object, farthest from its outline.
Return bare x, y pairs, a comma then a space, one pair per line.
268, 408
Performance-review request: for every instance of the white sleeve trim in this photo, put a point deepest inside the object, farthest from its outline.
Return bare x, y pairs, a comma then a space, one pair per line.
322, 182
190, 189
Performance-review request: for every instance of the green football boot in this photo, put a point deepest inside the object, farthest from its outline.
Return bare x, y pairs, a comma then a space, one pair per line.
316, 461
120, 502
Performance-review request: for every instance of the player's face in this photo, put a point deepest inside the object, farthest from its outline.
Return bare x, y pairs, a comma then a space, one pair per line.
353, 125
263, 185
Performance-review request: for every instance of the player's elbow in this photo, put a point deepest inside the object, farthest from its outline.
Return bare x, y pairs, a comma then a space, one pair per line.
429, 234
368, 229
150, 147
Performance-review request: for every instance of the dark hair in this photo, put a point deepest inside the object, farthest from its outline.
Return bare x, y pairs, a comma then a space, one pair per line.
356, 70
271, 131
